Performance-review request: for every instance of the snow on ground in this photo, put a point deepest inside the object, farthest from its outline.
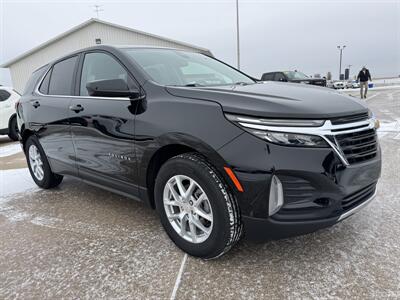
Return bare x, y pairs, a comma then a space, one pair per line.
9, 150
390, 126
15, 181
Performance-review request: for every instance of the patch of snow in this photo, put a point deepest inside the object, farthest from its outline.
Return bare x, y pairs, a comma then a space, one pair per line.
16, 181
389, 126
11, 149
45, 221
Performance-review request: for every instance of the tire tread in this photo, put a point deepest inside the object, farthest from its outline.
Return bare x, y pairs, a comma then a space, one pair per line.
236, 226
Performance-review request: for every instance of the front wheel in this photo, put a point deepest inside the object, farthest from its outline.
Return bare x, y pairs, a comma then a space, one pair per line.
196, 208
39, 166
13, 129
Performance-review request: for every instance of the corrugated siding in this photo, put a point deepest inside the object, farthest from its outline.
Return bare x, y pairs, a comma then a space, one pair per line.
85, 37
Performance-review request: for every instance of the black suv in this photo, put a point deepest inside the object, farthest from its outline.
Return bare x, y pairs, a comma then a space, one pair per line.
213, 151
293, 76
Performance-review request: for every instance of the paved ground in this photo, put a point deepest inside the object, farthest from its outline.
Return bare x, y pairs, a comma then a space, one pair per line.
80, 242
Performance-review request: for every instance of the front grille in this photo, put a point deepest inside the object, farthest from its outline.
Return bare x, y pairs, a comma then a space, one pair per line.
358, 146
358, 197
350, 119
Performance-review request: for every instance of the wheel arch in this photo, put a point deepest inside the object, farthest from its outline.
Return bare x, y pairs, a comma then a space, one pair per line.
14, 115
25, 134
170, 148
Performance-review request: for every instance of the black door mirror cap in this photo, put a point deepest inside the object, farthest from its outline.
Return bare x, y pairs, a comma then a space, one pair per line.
113, 88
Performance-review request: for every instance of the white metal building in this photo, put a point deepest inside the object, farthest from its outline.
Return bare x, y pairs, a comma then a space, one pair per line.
89, 33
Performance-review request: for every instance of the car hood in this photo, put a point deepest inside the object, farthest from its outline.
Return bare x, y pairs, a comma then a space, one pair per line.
276, 99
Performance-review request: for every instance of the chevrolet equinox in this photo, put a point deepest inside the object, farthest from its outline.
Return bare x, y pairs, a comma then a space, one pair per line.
215, 152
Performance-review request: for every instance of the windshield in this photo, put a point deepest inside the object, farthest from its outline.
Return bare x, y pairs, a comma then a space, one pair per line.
181, 68
295, 75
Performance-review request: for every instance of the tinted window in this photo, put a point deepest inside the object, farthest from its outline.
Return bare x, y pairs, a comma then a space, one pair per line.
268, 76
33, 80
195, 72
100, 66
176, 67
62, 77
44, 87
4, 95
279, 77
295, 75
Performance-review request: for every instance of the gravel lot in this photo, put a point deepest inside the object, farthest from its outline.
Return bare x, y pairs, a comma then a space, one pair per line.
80, 242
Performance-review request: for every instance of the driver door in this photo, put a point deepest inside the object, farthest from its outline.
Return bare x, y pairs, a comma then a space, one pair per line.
103, 128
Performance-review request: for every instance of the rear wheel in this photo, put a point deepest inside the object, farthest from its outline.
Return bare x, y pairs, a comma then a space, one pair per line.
196, 208
13, 129
39, 166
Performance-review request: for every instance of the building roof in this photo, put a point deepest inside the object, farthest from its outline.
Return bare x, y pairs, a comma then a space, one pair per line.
88, 22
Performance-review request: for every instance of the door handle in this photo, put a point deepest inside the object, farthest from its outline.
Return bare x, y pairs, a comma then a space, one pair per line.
36, 104
76, 108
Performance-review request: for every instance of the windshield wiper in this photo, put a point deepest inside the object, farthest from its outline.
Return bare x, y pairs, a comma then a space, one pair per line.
193, 84
241, 83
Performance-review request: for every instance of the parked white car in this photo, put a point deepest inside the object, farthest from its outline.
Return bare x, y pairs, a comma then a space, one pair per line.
353, 84
8, 120
338, 85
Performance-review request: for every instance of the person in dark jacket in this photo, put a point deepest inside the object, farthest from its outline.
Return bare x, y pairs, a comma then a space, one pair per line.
363, 78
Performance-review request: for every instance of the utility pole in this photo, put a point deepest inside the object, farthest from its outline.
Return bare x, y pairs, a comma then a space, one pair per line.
341, 48
97, 9
237, 35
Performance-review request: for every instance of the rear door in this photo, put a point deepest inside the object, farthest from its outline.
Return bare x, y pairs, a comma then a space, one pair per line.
103, 128
48, 110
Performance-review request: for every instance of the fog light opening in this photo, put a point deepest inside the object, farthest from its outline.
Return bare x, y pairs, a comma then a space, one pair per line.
275, 196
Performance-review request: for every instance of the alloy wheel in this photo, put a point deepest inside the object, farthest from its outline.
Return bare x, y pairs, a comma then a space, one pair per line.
188, 208
35, 161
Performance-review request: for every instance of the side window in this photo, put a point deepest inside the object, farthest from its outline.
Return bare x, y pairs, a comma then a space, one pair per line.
44, 86
61, 78
268, 76
279, 77
4, 95
101, 66
33, 80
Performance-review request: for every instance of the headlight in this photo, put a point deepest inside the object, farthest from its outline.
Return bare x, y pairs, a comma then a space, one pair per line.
290, 139
256, 126
372, 116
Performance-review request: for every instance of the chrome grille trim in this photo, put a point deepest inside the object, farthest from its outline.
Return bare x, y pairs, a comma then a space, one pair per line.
327, 131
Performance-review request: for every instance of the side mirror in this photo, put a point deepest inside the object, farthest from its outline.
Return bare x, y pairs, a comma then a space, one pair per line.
111, 88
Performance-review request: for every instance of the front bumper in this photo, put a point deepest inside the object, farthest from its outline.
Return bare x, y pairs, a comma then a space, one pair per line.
319, 189
258, 229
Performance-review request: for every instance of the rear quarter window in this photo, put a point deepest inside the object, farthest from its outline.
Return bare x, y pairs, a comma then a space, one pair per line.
44, 86
33, 80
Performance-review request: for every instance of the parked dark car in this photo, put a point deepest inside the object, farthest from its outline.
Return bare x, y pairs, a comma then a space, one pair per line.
293, 76
213, 151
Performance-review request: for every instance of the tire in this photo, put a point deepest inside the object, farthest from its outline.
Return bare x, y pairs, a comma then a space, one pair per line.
13, 129
47, 178
223, 224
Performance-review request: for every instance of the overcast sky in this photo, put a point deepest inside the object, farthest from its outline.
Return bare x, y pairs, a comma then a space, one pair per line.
275, 35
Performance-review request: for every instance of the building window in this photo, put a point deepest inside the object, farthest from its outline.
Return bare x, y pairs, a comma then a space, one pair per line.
98, 41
